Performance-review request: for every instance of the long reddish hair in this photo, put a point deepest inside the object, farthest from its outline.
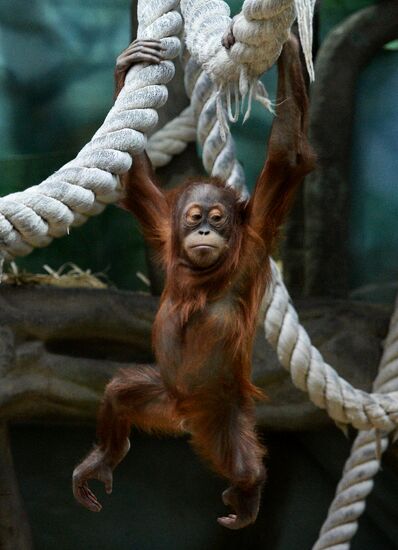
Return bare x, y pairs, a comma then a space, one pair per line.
189, 288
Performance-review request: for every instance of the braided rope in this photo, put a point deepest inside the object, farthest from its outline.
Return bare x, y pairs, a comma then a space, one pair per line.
218, 153
260, 30
363, 464
200, 121
344, 403
85, 185
172, 139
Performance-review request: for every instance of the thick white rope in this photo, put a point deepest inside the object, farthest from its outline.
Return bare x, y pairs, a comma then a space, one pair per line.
172, 139
218, 153
364, 462
85, 185
200, 121
260, 30
309, 372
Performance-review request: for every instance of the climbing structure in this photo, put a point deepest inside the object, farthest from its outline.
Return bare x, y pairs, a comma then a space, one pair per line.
214, 79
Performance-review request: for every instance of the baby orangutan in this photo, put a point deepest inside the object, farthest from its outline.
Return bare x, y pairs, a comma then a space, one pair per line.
215, 250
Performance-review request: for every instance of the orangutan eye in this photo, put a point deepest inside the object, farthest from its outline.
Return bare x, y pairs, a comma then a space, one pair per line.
216, 216
194, 215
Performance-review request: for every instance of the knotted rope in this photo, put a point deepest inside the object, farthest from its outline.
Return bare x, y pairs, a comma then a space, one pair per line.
260, 31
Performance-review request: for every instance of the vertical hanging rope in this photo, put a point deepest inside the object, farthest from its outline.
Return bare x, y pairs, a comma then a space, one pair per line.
305, 15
